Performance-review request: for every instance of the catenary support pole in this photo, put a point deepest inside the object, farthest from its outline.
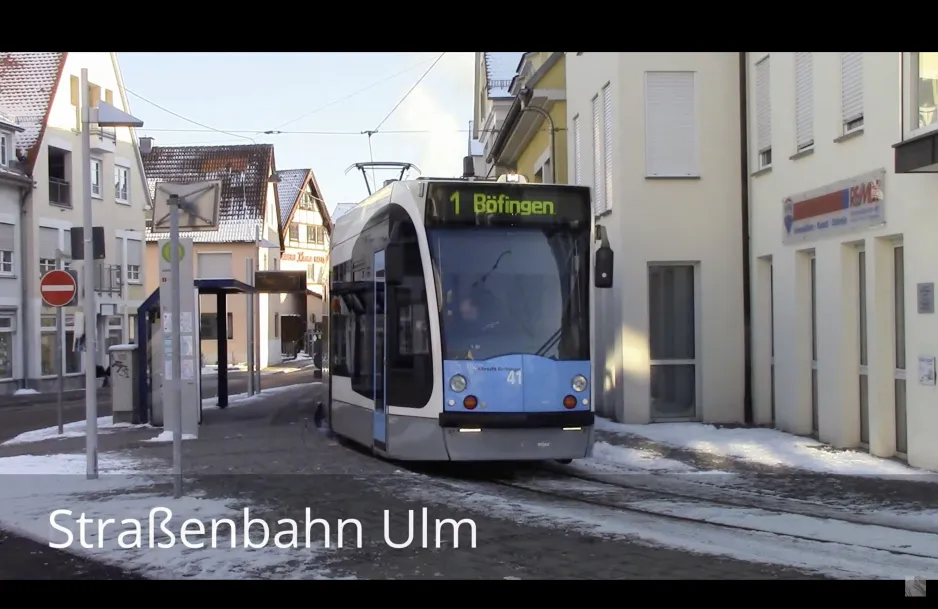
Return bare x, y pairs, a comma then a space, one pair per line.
175, 311
91, 317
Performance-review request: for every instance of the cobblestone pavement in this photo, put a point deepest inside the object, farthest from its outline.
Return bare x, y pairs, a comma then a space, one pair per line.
270, 456
905, 492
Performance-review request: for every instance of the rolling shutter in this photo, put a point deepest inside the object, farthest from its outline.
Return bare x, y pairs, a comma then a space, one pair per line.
804, 100
598, 201
670, 124
851, 85
763, 106
48, 242
7, 234
607, 147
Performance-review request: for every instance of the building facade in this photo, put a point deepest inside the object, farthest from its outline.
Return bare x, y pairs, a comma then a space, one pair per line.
492, 100
249, 229
843, 247
532, 139
307, 230
41, 94
657, 137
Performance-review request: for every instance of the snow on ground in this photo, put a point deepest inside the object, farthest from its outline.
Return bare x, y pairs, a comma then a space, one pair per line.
243, 399
69, 430
26, 392
634, 459
765, 447
833, 559
32, 487
167, 436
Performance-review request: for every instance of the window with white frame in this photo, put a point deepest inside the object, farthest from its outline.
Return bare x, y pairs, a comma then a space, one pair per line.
4, 150
764, 113
134, 261
96, 178
48, 244
577, 167
671, 149
924, 90
7, 340
7, 247
804, 101
599, 204
607, 146
121, 184
851, 90
115, 330
47, 346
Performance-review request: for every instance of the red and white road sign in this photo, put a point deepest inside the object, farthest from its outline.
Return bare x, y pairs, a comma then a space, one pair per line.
58, 288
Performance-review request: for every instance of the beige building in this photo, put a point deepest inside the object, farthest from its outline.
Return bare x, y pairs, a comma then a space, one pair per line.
249, 229
40, 101
307, 231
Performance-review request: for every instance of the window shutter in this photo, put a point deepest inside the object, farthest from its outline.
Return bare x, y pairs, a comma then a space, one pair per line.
670, 124
851, 85
6, 237
804, 100
134, 252
577, 167
598, 202
607, 146
48, 242
763, 106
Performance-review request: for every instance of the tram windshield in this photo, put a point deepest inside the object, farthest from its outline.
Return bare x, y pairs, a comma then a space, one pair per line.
513, 291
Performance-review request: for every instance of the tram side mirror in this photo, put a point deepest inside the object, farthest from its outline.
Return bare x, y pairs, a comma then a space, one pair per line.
603, 267
394, 264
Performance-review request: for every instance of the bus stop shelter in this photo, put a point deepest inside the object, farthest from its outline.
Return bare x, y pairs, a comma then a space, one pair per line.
146, 313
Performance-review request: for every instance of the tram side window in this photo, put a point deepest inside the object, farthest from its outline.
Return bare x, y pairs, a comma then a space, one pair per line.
410, 374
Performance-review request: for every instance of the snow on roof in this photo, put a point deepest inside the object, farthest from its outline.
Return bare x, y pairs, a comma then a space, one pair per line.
27, 84
288, 191
243, 171
501, 67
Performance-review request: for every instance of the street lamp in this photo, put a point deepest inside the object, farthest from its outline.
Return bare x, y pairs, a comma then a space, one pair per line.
105, 115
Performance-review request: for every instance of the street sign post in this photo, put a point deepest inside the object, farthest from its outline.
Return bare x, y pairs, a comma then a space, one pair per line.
58, 289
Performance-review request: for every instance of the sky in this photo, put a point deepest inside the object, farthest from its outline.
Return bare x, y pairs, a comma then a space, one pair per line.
245, 94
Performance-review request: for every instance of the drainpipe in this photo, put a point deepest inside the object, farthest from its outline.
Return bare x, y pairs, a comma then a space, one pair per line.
744, 210
26, 190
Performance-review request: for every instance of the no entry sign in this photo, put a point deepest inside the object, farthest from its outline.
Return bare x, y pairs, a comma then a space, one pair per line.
58, 288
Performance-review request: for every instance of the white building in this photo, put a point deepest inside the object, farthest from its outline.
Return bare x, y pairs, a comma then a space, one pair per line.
14, 188
657, 137
844, 247
40, 93
493, 75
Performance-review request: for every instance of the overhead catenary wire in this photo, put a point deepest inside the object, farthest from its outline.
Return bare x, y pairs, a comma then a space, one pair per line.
351, 95
406, 95
194, 122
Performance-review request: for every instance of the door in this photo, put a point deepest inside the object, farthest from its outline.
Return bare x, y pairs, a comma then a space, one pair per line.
380, 414
673, 336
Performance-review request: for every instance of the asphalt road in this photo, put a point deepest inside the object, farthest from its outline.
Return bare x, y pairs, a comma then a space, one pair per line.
14, 420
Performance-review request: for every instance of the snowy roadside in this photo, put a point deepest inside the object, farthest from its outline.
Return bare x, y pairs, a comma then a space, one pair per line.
131, 491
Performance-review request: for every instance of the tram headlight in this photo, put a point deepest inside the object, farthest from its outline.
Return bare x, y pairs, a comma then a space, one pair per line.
579, 383
458, 383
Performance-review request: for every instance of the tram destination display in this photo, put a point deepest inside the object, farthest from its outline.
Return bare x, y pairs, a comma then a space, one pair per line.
486, 204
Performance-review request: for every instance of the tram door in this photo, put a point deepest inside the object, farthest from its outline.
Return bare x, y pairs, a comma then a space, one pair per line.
380, 414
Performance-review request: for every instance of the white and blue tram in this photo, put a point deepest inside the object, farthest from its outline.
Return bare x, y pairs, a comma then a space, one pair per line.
460, 323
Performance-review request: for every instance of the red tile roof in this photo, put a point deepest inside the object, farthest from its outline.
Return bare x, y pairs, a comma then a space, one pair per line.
27, 85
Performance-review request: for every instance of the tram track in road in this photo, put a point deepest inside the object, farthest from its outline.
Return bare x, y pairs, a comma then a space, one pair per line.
732, 497
626, 499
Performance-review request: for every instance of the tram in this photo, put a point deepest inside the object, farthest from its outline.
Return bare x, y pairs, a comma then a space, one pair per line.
460, 322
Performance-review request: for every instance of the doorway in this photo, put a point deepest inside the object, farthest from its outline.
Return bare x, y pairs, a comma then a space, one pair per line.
864, 363
672, 308
899, 329
380, 356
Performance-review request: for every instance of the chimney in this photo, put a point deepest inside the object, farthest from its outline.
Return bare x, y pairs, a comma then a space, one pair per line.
146, 144
468, 167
